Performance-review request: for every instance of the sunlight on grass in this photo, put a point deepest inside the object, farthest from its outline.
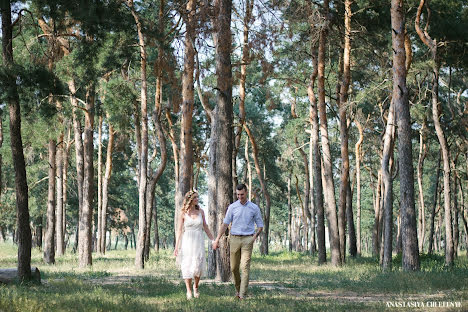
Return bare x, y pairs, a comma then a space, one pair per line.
280, 281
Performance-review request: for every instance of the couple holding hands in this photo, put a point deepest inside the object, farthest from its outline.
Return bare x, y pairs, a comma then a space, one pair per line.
190, 242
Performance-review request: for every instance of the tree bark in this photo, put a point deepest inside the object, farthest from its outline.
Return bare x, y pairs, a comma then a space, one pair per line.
410, 259
186, 139
436, 113
326, 154
223, 124
317, 167
21, 185
422, 209
266, 217
99, 188
434, 205
143, 155
85, 229
49, 243
387, 179
60, 204
290, 215
358, 158
105, 186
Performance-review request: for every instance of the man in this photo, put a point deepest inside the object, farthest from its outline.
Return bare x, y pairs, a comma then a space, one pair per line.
242, 214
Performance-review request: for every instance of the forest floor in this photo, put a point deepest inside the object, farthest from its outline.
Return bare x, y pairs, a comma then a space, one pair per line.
279, 282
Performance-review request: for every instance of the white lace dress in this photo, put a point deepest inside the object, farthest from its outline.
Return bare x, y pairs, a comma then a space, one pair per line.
191, 257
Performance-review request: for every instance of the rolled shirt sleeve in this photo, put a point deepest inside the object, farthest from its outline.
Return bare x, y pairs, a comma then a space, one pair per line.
258, 218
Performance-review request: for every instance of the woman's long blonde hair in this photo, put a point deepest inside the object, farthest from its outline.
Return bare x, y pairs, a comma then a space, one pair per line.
188, 199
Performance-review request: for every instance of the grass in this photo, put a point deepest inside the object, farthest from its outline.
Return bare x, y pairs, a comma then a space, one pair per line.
279, 282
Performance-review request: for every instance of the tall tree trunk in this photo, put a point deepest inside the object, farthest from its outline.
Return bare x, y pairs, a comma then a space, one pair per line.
377, 217
66, 152
344, 133
223, 124
242, 79
358, 158
434, 205
49, 247
422, 209
306, 181
154, 177
99, 188
266, 217
186, 139
387, 178
85, 229
143, 156
455, 208
317, 190
79, 155
290, 215
21, 185
436, 112
410, 259
326, 154
60, 203
105, 186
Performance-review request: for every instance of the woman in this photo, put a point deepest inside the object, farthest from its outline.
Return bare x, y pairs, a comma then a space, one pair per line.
190, 243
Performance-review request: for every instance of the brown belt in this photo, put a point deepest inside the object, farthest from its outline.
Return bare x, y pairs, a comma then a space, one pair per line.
242, 235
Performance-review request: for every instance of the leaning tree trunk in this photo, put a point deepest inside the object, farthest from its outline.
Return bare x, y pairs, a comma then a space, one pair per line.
410, 259
436, 114
49, 243
326, 154
266, 194
317, 190
21, 184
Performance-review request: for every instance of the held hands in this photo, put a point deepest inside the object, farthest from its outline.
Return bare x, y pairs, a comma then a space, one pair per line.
214, 244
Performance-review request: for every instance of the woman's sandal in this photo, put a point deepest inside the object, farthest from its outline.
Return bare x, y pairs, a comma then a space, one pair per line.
189, 295
196, 294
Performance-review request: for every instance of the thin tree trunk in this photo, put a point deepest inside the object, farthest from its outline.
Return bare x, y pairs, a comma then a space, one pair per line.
66, 152
266, 217
99, 188
455, 209
410, 258
79, 155
49, 247
21, 185
344, 133
326, 154
105, 186
434, 204
143, 156
60, 204
422, 209
436, 112
358, 158
290, 215
387, 156
377, 217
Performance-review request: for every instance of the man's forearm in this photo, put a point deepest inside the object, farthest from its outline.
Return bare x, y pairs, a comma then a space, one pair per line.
221, 231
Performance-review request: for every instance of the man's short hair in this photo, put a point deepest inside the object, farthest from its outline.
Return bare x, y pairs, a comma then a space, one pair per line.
241, 187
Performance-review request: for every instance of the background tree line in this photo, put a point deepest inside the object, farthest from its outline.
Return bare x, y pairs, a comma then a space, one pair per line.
347, 120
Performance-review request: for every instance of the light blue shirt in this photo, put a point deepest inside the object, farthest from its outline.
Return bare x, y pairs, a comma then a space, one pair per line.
243, 218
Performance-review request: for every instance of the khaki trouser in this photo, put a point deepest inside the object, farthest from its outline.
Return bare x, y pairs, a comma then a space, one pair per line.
241, 253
